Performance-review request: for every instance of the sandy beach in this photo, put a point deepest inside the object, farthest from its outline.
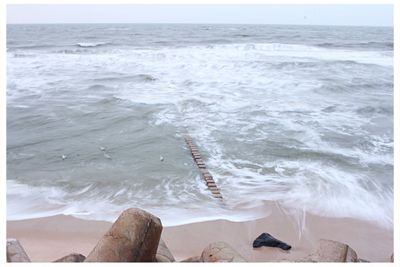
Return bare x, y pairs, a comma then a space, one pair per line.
47, 239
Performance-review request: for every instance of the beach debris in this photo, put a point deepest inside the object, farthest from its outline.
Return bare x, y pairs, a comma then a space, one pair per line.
161, 158
192, 259
268, 240
212, 186
15, 252
220, 252
102, 148
63, 157
163, 253
73, 257
332, 251
133, 237
107, 156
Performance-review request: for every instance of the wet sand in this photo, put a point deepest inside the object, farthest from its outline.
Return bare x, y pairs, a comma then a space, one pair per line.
49, 238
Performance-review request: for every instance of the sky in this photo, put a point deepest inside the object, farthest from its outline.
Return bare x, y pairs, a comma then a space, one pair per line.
360, 15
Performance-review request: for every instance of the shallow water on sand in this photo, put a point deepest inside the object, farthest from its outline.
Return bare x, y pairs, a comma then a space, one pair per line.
298, 114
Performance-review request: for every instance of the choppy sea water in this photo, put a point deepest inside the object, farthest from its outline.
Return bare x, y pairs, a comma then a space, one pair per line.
298, 114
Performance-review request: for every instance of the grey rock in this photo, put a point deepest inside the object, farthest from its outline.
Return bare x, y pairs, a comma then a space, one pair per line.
220, 252
163, 253
333, 251
192, 259
15, 252
73, 257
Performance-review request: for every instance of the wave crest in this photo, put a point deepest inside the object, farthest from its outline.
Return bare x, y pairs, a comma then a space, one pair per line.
96, 44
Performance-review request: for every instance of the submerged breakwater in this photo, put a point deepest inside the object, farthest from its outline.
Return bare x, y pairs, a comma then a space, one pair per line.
302, 115
208, 179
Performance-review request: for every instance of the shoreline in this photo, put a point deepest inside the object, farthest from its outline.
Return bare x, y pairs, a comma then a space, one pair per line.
49, 238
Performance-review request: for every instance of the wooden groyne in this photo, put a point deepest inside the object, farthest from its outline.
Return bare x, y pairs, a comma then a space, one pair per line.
203, 169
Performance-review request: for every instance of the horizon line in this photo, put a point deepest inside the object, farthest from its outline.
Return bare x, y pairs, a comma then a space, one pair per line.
199, 23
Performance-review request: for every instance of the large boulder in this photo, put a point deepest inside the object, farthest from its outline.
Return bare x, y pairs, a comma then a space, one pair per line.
163, 253
15, 252
333, 251
133, 237
220, 252
73, 257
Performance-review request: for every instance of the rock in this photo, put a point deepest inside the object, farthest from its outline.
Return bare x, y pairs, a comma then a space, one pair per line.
163, 253
192, 259
268, 240
333, 251
133, 237
73, 257
15, 252
220, 252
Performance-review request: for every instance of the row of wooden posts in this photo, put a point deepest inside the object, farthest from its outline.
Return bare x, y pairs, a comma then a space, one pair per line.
212, 186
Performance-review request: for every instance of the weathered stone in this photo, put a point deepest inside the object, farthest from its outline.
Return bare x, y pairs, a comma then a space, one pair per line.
163, 253
133, 237
268, 240
73, 257
192, 259
333, 251
220, 252
15, 252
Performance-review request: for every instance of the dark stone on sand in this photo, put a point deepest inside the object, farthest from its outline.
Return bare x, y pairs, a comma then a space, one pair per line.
268, 240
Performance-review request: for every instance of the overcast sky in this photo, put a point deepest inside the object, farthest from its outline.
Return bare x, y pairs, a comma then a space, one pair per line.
372, 15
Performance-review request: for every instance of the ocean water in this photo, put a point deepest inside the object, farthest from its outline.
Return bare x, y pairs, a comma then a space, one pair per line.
302, 115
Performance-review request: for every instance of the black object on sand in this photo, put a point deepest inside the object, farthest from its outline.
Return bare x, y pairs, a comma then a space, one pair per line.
268, 240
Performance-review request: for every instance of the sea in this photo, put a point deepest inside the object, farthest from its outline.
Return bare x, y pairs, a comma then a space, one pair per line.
298, 115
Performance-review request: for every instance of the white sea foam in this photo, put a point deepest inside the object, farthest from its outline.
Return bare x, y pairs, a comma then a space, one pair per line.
91, 44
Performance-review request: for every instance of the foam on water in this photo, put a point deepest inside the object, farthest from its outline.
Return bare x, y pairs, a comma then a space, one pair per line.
90, 44
299, 123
